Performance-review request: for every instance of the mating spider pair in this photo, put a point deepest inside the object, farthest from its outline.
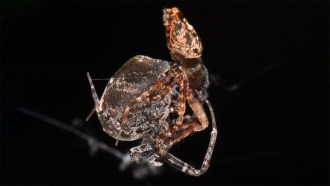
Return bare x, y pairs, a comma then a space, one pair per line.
146, 99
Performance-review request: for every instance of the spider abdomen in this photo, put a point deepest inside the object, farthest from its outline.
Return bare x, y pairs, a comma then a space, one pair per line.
128, 83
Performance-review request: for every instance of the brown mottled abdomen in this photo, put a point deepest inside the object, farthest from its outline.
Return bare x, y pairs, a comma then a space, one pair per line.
129, 82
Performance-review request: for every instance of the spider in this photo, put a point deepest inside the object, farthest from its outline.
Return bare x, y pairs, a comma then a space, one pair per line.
147, 99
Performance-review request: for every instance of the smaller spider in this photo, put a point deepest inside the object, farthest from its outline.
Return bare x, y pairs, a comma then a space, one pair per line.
147, 98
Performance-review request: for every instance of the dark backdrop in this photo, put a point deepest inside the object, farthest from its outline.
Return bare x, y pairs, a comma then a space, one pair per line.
268, 63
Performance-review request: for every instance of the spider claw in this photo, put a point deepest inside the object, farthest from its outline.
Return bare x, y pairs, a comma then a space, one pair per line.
153, 160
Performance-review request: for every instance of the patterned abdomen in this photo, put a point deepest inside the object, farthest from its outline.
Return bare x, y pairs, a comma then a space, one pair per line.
129, 82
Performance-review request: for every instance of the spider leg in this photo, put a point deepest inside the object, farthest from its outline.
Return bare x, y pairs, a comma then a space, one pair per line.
144, 96
137, 155
177, 81
181, 107
135, 152
188, 169
181, 131
200, 122
199, 112
90, 114
97, 107
162, 93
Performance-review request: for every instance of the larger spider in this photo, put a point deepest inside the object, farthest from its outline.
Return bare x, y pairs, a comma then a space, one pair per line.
146, 99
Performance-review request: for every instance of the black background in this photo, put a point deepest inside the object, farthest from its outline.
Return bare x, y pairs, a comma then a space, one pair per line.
273, 129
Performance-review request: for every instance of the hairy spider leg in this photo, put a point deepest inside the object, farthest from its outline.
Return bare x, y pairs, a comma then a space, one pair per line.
152, 88
183, 130
181, 106
200, 122
144, 97
136, 154
188, 169
97, 107
199, 112
162, 93
136, 151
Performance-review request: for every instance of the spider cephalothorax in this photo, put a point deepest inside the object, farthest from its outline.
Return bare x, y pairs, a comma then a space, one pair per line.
147, 98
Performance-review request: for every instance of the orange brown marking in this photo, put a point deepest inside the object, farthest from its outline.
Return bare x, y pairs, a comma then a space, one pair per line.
181, 103
182, 40
152, 88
